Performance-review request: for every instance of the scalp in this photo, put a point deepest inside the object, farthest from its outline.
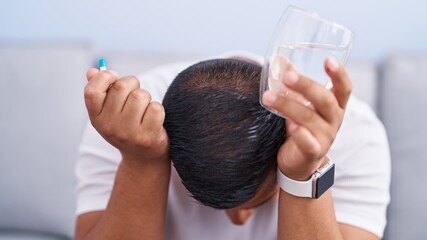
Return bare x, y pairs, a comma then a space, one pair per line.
223, 143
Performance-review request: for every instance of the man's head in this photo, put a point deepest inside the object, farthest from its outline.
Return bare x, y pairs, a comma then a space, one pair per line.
223, 143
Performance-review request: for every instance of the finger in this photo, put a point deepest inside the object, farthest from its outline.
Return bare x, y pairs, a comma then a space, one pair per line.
307, 143
118, 94
91, 73
278, 65
300, 115
292, 109
291, 126
135, 106
154, 117
341, 82
321, 98
96, 91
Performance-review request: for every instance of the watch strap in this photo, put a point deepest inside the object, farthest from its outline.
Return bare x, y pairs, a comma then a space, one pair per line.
293, 187
321, 180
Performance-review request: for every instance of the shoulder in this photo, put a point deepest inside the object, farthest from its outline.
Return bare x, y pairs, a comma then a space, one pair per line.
359, 113
360, 128
363, 169
157, 80
361, 147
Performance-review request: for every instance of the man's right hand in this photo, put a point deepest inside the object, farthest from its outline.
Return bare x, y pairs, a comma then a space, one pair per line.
124, 115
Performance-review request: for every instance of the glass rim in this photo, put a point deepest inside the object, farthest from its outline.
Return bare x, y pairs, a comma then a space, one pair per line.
320, 18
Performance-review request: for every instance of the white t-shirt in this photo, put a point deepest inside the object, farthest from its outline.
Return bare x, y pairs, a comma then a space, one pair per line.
360, 192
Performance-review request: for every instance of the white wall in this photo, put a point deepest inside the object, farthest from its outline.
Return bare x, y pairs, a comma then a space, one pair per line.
207, 26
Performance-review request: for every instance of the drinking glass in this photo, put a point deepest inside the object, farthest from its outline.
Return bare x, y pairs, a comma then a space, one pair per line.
301, 42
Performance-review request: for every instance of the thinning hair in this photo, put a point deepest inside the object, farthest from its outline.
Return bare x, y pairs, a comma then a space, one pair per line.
223, 143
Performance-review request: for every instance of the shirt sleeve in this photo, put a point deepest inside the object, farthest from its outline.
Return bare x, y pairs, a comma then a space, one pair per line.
362, 181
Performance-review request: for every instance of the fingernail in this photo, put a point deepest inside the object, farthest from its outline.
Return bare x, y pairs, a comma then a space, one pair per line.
291, 78
333, 65
271, 97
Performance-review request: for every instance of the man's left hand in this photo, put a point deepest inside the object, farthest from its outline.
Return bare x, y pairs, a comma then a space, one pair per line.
311, 129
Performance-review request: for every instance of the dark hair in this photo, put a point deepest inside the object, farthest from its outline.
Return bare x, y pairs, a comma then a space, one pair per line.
223, 143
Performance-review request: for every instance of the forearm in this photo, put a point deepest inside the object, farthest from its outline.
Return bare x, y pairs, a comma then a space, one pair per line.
304, 218
137, 206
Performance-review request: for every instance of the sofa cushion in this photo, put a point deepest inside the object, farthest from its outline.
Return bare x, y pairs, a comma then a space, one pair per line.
42, 117
402, 108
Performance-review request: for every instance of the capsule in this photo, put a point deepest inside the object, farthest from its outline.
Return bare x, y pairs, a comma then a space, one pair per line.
102, 64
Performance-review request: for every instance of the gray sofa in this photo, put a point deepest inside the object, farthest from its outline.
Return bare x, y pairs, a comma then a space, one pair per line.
42, 116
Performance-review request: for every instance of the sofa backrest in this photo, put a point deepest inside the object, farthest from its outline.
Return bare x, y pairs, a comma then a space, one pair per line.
362, 73
364, 76
402, 107
42, 115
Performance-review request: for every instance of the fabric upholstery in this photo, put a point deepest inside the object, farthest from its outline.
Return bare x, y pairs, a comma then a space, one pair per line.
364, 78
28, 235
42, 115
403, 110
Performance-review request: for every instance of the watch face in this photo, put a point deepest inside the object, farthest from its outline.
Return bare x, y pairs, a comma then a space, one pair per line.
325, 181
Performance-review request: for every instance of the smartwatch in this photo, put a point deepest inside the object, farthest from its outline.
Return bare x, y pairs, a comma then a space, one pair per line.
318, 184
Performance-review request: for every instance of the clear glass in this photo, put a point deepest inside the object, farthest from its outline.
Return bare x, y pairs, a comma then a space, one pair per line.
301, 42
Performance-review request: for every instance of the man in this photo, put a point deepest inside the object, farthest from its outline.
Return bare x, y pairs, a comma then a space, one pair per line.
225, 148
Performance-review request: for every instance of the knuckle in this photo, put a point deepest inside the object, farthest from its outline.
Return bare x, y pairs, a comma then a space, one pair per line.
122, 137
106, 130
163, 139
158, 141
156, 108
91, 93
145, 141
110, 132
138, 95
146, 94
131, 80
119, 85
312, 152
308, 115
105, 74
330, 100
